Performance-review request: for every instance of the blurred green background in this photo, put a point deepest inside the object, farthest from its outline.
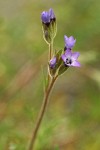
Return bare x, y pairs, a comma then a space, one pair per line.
72, 120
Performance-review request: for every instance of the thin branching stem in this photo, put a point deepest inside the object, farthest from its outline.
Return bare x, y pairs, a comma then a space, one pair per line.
50, 49
49, 58
41, 114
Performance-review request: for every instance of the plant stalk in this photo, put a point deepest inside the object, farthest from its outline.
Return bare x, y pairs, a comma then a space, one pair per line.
49, 58
50, 50
41, 114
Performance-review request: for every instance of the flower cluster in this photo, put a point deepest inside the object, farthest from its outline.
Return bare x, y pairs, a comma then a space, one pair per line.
62, 59
69, 57
49, 25
47, 16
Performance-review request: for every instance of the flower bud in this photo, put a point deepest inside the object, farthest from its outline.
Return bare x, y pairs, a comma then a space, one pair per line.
53, 23
69, 42
49, 25
52, 66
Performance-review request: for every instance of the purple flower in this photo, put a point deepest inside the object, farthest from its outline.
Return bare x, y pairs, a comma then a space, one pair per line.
69, 41
47, 16
52, 62
51, 13
70, 58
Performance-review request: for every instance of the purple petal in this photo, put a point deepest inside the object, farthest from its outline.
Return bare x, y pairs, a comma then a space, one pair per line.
68, 53
65, 38
53, 62
76, 64
45, 17
69, 42
63, 57
71, 38
51, 13
75, 55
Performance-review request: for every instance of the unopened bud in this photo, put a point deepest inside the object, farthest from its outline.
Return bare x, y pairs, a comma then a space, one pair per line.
49, 25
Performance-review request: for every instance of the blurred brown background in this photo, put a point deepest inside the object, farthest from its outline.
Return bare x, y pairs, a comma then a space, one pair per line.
72, 121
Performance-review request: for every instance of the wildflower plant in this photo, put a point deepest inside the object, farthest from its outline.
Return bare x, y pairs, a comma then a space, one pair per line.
58, 62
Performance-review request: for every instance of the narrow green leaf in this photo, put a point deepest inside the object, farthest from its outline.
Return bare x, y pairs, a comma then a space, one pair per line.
62, 69
58, 54
59, 60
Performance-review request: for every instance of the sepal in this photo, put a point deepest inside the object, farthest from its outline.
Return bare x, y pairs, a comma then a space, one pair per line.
62, 69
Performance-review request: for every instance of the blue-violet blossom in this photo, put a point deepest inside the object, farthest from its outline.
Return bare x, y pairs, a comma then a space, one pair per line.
69, 41
52, 62
51, 14
70, 58
47, 16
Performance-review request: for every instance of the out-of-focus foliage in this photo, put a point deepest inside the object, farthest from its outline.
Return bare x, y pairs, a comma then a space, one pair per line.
72, 121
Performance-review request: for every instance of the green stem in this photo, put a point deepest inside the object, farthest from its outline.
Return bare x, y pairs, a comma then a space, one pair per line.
49, 58
50, 50
41, 114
